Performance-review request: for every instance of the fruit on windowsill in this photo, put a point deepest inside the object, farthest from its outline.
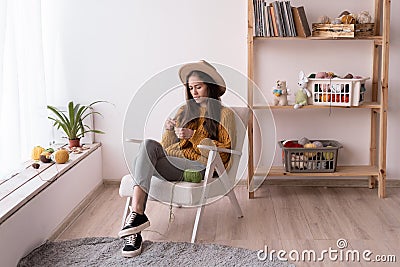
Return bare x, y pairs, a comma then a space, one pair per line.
36, 151
35, 165
51, 150
61, 156
45, 157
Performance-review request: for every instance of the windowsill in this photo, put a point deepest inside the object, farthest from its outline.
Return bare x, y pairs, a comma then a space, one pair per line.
15, 192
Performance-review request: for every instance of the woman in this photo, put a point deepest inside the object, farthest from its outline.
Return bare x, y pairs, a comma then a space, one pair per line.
202, 120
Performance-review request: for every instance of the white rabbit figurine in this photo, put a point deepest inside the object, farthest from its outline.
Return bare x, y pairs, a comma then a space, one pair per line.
303, 93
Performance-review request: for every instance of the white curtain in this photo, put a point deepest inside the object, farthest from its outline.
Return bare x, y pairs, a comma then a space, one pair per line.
23, 114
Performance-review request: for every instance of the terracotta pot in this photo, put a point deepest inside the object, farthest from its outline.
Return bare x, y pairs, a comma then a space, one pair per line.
74, 143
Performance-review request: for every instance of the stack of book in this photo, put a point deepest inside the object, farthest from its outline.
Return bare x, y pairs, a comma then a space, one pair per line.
279, 19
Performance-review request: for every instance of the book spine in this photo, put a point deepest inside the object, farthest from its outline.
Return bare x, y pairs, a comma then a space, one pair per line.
283, 19
270, 22
262, 18
289, 8
267, 28
297, 22
287, 22
304, 22
278, 18
274, 23
255, 18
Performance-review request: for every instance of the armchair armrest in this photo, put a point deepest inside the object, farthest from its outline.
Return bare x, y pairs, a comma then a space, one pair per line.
219, 149
133, 140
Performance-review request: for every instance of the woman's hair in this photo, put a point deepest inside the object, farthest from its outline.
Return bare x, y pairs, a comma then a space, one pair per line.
191, 112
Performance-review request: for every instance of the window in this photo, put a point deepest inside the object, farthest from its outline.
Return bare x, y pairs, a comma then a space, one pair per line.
23, 98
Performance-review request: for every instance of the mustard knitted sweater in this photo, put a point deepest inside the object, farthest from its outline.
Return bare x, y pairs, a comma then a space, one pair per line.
187, 148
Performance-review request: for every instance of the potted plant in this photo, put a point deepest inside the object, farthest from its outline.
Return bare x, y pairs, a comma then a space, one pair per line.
71, 121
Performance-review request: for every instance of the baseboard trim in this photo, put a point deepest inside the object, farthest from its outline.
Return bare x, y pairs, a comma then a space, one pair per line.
111, 182
325, 182
74, 214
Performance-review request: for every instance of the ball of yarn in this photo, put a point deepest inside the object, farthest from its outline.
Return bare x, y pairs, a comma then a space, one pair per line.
318, 144
192, 176
298, 161
321, 75
36, 151
61, 156
324, 19
348, 19
364, 17
329, 155
302, 141
345, 12
312, 153
337, 21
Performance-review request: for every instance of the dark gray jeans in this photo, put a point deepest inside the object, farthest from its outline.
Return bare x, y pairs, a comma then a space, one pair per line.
152, 160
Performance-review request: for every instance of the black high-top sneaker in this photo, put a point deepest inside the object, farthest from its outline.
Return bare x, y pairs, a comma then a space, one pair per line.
133, 245
134, 223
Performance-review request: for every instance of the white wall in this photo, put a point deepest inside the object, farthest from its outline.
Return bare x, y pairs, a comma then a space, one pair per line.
108, 49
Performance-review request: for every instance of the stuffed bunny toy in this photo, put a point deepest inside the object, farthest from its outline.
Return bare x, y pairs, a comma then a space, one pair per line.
280, 93
303, 93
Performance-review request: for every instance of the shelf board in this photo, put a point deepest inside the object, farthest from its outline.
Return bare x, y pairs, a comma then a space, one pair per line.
341, 171
371, 105
373, 38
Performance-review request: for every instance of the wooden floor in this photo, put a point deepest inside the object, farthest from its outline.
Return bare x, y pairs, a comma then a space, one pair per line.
288, 218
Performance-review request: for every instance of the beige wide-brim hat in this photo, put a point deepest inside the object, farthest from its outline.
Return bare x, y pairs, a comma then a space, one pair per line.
206, 67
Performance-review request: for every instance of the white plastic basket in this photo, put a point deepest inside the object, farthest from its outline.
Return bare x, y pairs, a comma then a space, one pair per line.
337, 92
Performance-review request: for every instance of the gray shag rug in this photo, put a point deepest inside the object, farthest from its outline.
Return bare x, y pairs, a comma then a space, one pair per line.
106, 251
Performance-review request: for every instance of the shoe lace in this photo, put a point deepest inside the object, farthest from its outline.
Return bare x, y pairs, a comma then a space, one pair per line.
130, 218
130, 240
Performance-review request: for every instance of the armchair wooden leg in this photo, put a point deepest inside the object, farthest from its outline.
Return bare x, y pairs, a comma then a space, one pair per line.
209, 172
235, 203
219, 166
196, 223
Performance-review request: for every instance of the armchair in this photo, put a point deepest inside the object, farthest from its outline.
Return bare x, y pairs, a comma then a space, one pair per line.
199, 194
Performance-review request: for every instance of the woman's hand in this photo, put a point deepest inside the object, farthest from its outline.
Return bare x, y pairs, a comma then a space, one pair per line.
184, 133
169, 124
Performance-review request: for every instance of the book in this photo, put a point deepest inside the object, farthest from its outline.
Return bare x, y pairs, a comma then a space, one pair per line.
270, 22
262, 17
300, 21
255, 18
283, 19
291, 20
278, 19
267, 22
273, 19
289, 31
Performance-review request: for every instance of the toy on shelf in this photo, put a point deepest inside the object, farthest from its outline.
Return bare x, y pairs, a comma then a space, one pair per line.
302, 95
280, 93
